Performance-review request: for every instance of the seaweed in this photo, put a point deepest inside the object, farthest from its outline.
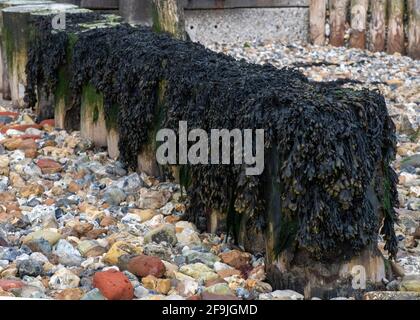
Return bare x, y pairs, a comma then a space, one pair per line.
331, 140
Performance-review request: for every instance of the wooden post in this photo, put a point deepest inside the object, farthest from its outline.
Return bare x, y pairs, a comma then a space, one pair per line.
293, 268
338, 17
5, 89
396, 27
137, 11
16, 38
377, 25
317, 12
168, 16
359, 10
90, 118
414, 29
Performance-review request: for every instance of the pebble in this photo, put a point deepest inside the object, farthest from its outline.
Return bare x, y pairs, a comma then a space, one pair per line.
143, 266
51, 236
67, 254
410, 283
69, 294
64, 279
199, 271
207, 258
281, 295
113, 285
140, 292
164, 233
114, 196
94, 294
236, 259
40, 245
29, 267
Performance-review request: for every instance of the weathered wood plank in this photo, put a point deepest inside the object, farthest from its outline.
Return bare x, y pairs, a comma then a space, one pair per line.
414, 29
5, 89
168, 16
16, 38
338, 17
92, 116
377, 25
317, 13
359, 10
395, 27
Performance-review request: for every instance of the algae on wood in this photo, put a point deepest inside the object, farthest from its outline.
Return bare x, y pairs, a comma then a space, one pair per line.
66, 115
168, 16
5, 89
92, 116
146, 159
315, 202
17, 33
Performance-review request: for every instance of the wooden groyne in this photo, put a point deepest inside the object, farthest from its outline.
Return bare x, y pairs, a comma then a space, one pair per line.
327, 190
378, 25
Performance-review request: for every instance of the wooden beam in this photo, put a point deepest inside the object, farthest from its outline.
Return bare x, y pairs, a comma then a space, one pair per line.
396, 27
168, 16
317, 13
377, 25
17, 33
414, 29
359, 10
4, 79
338, 17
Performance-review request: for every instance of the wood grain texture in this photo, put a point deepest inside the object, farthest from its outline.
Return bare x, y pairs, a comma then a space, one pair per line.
359, 9
395, 27
377, 25
338, 17
414, 29
317, 13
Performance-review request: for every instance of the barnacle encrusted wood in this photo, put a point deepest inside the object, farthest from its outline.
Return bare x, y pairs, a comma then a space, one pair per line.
327, 191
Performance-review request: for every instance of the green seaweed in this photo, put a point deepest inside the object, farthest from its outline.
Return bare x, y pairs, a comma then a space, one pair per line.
93, 102
111, 118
